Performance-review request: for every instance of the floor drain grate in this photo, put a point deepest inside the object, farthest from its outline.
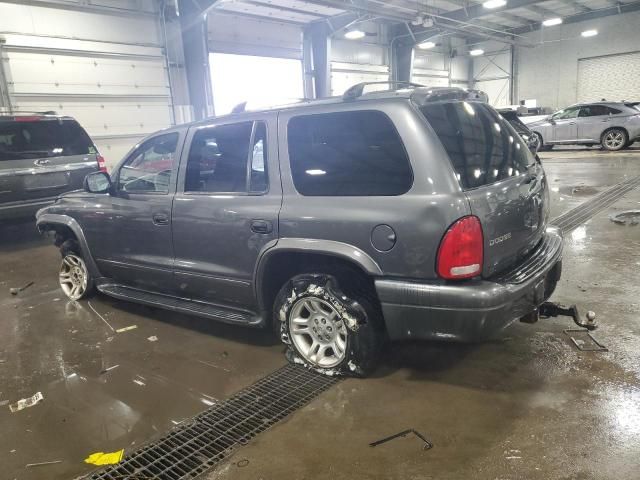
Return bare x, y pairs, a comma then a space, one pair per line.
577, 216
194, 447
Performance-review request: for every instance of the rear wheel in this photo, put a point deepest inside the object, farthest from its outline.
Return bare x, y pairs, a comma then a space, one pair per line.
542, 147
74, 277
614, 139
326, 330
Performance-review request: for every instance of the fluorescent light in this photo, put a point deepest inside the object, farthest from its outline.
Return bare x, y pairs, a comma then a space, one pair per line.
550, 22
315, 172
354, 34
494, 3
426, 45
589, 33
476, 51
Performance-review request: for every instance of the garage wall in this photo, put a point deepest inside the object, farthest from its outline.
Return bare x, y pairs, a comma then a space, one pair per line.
549, 73
437, 68
492, 72
354, 62
104, 66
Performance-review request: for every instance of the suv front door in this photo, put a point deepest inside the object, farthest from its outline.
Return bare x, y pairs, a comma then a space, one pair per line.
226, 209
130, 230
565, 128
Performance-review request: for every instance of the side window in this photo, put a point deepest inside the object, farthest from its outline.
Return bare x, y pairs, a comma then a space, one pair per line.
218, 157
258, 180
150, 166
613, 111
594, 111
564, 114
348, 154
482, 146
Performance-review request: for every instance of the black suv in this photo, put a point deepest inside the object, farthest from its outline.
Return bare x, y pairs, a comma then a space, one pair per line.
41, 156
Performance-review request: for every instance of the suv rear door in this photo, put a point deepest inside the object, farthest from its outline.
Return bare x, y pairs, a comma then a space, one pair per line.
593, 120
505, 185
42, 156
226, 208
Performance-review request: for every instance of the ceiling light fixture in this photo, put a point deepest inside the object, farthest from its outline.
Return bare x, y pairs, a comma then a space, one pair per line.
550, 22
494, 3
476, 52
426, 45
589, 33
354, 34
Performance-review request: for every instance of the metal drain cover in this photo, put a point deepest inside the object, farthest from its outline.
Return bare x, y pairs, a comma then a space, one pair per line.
198, 445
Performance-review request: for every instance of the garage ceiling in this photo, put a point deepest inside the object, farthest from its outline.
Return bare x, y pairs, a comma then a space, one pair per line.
467, 18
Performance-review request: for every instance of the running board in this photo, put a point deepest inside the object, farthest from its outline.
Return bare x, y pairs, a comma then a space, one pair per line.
190, 307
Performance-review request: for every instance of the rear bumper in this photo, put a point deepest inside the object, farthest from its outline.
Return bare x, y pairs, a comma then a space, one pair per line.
473, 310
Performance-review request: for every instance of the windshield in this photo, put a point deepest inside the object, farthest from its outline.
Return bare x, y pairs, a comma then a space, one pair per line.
483, 147
43, 138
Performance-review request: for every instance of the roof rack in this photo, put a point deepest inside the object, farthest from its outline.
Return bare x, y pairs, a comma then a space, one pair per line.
239, 108
31, 112
358, 89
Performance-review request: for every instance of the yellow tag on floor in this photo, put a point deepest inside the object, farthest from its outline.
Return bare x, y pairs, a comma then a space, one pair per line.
101, 458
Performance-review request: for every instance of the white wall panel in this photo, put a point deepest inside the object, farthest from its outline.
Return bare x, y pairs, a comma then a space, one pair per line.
549, 72
346, 75
614, 77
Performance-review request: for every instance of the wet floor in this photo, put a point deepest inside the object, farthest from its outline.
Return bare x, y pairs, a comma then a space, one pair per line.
527, 405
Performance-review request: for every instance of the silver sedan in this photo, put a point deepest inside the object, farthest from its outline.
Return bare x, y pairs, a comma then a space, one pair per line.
614, 125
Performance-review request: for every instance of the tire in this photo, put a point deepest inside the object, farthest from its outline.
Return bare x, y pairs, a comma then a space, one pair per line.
539, 141
74, 278
542, 147
614, 139
326, 330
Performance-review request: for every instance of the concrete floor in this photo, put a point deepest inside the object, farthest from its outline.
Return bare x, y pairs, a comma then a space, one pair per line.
527, 405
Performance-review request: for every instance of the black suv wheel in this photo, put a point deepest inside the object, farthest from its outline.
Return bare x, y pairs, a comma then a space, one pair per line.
326, 330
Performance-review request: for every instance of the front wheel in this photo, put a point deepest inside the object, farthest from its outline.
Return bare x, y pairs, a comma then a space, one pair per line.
324, 329
74, 277
614, 139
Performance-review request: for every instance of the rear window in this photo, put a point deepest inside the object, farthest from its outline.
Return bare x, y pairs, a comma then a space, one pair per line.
482, 146
348, 154
44, 138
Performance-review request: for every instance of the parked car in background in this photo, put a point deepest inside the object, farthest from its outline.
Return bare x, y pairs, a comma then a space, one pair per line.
41, 157
527, 135
410, 214
614, 125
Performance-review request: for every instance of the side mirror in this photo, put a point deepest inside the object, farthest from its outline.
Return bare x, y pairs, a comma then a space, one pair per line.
552, 121
97, 182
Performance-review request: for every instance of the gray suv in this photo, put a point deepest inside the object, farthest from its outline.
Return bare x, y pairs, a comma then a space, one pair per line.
408, 214
614, 125
41, 156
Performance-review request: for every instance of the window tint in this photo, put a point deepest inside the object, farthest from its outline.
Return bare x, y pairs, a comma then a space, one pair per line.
43, 138
348, 154
568, 113
482, 146
594, 110
613, 111
218, 159
258, 182
150, 166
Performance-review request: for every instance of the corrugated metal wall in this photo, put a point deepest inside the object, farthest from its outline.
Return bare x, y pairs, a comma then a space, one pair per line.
104, 66
614, 77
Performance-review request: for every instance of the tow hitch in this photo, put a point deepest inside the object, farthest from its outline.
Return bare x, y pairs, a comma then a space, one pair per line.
551, 309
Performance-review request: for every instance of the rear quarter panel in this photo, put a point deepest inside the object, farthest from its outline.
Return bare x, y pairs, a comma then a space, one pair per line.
419, 217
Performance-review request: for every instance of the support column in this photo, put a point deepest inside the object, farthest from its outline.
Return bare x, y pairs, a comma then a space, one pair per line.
193, 23
317, 57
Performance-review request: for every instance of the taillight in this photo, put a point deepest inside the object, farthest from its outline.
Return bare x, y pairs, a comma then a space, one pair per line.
102, 165
461, 250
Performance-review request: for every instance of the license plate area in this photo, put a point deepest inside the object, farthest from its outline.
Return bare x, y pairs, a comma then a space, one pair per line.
45, 181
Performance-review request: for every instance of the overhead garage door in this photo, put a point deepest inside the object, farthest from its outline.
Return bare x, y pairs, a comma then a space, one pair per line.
613, 77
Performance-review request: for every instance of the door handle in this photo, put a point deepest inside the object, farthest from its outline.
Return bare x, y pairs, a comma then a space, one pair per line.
160, 219
261, 226
572, 123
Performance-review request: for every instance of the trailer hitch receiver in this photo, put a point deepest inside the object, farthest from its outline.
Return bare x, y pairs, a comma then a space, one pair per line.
552, 309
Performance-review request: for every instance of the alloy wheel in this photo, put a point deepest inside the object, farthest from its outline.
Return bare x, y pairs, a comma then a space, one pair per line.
614, 140
318, 332
73, 277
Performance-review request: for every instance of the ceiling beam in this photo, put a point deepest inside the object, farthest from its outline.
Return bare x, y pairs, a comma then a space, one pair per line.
591, 15
544, 12
577, 5
282, 8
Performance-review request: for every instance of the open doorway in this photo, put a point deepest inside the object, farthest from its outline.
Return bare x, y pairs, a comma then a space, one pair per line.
259, 81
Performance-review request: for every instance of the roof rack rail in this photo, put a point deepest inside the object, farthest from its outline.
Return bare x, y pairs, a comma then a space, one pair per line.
358, 89
18, 112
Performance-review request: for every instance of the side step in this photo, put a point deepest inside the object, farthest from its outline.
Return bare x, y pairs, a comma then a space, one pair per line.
190, 307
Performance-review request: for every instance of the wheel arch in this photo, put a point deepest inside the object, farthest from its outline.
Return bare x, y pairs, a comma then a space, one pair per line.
293, 256
62, 224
